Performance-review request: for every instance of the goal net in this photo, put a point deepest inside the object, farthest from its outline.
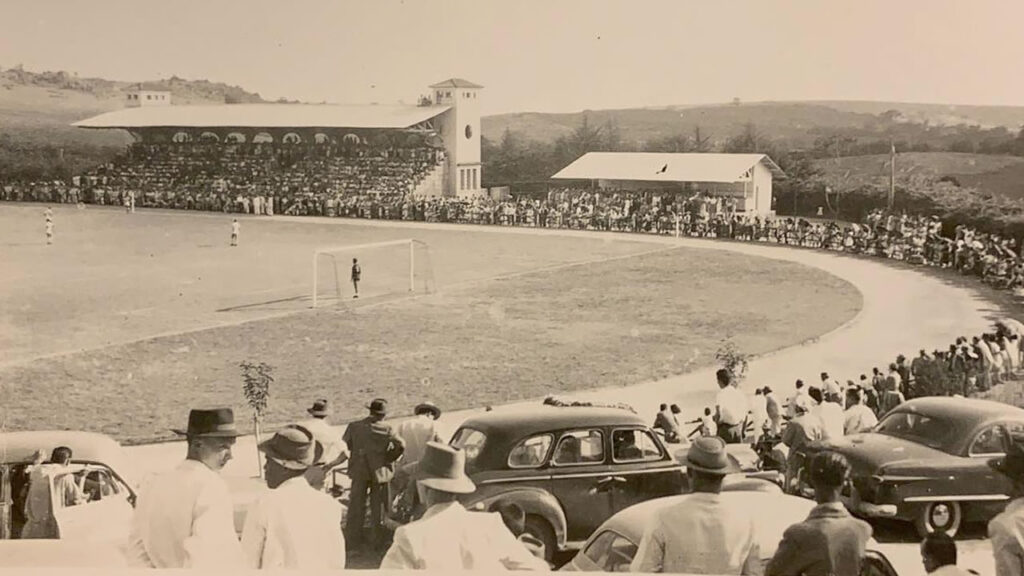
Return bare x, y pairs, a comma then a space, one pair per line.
386, 269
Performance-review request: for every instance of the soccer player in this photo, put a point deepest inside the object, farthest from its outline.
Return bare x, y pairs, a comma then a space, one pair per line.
49, 231
235, 227
357, 273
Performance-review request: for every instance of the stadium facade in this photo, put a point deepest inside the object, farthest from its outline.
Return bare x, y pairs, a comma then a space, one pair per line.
449, 119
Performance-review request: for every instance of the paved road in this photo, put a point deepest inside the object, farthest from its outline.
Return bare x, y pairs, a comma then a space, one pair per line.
903, 311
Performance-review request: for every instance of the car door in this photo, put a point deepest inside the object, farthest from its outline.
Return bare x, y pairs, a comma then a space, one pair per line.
988, 443
6, 500
642, 467
581, 480
104, 517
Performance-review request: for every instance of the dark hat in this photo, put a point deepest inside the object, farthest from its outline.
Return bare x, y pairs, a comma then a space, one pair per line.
379, 406
210, 423
292, 448
1012, 464
320, 408
443, 468
708, 455
427, 408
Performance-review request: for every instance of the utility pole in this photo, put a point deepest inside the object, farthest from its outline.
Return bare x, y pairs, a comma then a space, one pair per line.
892, 174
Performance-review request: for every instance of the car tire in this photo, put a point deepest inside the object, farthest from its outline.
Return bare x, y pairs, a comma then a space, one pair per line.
939, 517
541, 529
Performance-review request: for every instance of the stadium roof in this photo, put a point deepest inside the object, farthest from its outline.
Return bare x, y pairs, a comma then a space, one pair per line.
264, 116
456, 83
658, 167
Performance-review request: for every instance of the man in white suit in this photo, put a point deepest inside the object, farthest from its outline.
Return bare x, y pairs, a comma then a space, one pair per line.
449, 537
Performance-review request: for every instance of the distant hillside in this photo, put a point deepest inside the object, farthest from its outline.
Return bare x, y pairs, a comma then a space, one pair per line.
1002, 175
37, 107
796, 124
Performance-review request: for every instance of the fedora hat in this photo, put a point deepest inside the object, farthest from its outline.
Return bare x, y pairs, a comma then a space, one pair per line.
292, 448
708, 455
443, 468
427, 408
210, 423
378, 406
320, 408
1012, 464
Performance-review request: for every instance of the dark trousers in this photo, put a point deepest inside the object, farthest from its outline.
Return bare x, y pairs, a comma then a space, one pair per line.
364, 488
731, 434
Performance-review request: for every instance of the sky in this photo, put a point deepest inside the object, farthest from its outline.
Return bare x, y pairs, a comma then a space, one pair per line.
539, 56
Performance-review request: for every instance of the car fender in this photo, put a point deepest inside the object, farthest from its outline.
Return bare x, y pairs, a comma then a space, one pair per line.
535, 501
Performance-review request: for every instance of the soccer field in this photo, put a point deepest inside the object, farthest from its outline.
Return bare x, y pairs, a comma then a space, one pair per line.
129, 319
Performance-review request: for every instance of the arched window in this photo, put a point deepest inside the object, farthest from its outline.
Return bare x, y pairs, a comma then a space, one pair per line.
351, 139
182, 137
262, 138
292, 138
321, 138
235, 138
209, 137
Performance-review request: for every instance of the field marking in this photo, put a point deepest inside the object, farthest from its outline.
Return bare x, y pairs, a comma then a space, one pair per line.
366, 304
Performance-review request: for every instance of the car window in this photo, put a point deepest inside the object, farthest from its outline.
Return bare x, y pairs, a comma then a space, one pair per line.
923, 429
634, 445
471, 442
100, 483
579, 447
530, 453
611, 552
989, 441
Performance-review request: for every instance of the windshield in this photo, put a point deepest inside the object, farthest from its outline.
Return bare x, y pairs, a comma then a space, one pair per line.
471, 442
933, 432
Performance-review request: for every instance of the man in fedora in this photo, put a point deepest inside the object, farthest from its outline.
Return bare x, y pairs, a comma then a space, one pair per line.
374, 448
449, 537
332, 452
184, 518
419, 430
1006, 531
292, 525
701, 533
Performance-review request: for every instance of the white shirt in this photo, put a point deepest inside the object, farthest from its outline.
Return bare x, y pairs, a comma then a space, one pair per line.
701, 534
449, 537
832, 419
327, 436
416, 432
759, 407
858, 418
184, 519
791, 407
1006, 533
949, 570
294, 526
732, 405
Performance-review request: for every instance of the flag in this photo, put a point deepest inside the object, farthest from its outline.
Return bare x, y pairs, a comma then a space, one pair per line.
663, 169
893, 148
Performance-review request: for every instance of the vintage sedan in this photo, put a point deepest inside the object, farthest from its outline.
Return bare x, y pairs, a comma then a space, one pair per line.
926, 462
614, 544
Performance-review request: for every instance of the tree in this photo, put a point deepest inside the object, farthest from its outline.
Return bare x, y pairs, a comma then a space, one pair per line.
612, 136
729, 357
700, 144
257, 379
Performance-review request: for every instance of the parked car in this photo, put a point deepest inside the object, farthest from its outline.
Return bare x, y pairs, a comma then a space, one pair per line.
569, 467
95, 532
926, 462
614, 544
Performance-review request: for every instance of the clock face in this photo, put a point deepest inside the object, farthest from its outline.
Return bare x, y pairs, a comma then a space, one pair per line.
469, 131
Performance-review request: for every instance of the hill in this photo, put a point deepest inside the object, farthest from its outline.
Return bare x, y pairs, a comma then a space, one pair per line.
1003, 175
795, 124
36, 108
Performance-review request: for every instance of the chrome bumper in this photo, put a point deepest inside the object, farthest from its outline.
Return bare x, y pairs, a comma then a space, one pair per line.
868, 509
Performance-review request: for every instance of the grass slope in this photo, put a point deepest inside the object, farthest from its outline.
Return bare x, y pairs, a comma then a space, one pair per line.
996, 174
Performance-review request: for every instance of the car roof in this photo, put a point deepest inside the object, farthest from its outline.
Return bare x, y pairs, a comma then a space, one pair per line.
632, 521
90, 446
961, 409
541, 418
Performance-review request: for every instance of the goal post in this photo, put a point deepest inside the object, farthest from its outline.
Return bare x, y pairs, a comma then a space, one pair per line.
393, 266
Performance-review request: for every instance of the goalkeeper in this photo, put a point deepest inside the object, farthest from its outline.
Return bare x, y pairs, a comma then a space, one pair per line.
357, 273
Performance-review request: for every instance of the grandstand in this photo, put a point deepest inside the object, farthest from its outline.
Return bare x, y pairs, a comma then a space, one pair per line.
294, 156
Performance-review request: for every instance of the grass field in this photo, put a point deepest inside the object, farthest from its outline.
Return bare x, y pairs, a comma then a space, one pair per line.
130, 319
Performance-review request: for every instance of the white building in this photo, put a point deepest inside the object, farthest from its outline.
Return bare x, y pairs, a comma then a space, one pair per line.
140, 97
745, 177
460, 129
